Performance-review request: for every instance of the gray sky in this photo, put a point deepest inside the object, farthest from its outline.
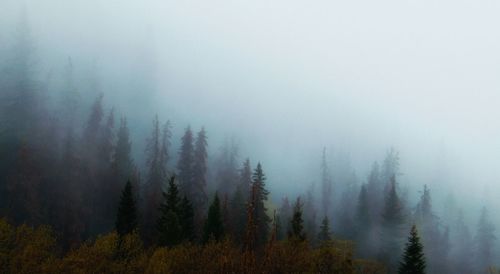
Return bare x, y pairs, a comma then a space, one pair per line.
286, 78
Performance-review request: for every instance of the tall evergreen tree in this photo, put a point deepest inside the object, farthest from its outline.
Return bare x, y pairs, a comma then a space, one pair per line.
213, 228
169, 224
122, 163
297, 223
227, 170
262, 220
126, 218
324, 234
185, 163
197, 190
246, 179
156, 176
413, 258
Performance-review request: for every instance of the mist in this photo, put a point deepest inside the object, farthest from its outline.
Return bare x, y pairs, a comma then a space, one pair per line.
285, 79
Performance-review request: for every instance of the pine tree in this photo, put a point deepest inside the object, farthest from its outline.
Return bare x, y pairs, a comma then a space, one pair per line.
213, 228
155, 178
196, 191
324, 231
297, 223
246, 179
262, 220
413, 257
122, 163
227, 172
185, 163
126, 218
169, 223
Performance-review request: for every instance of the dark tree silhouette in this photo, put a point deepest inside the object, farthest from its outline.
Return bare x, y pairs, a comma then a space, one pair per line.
324, 234
126, 218
213, 228
413, 258
297, 223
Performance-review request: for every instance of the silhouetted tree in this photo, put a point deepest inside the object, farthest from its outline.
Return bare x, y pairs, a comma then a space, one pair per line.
246, 179
324, 234
185, 163
413, 257
196, 192
213, 228
126, 218
297, 223
262, 220
169, 223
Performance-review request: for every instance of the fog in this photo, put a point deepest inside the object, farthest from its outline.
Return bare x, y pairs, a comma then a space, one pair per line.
287, 78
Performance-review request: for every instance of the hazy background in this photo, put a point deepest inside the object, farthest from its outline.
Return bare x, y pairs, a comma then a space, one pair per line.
286, 78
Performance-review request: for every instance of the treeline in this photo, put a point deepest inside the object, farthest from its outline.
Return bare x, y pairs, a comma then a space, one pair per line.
78, 176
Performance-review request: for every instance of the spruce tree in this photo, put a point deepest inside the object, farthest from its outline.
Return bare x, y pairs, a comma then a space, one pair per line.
297, 223
413, 257
185, 163
324, 234
169, 223
245, 183
196, 191
261, 219
126, 218
213, 228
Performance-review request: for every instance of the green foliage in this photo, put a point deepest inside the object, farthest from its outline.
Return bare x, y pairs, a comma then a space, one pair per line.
413, 257
324, 234
213, 228
126, 219
297, 223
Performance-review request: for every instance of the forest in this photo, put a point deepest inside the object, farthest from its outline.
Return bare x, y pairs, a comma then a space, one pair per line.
81, 192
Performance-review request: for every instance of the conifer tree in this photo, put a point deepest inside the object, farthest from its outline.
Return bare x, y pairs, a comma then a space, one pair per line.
297, 223
169, 224
126, 218
413, 258
213, 228
122, 163
285, 214
196, 192
324, 234
152, 190
185, 163
246, 179
262, 220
